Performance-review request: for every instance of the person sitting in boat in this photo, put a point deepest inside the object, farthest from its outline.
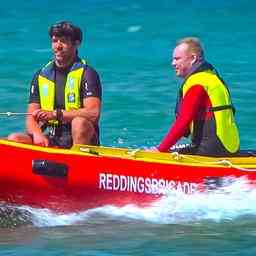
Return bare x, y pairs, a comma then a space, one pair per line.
204, 108
65, 96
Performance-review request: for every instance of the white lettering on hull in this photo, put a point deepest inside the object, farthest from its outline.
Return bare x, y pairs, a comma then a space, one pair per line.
114, 182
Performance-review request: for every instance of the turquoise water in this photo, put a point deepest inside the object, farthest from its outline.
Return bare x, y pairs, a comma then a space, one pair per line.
130, 43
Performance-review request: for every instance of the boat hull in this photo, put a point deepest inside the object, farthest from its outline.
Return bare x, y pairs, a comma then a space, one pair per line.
87, 177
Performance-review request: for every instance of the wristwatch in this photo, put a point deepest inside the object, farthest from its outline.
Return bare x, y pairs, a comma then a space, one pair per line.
58, 114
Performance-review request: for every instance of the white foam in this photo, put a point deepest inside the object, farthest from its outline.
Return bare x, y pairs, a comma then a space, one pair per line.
133, 29
227, 203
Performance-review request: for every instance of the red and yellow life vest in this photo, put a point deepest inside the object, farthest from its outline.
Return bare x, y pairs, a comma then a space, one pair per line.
226, 129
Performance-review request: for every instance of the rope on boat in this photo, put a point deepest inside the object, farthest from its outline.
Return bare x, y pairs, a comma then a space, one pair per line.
230, 164
176, 156
14, 113
225, 162
89, 151
133, 152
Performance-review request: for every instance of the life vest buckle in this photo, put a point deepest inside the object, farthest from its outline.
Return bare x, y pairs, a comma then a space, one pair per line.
54, 130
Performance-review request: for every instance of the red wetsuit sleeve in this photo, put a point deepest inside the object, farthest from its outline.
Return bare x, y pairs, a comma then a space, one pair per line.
190, 107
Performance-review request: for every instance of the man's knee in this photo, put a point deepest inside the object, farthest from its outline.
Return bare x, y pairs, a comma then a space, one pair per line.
83, 131
81, 124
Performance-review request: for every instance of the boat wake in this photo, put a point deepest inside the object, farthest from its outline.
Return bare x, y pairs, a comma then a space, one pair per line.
227, 203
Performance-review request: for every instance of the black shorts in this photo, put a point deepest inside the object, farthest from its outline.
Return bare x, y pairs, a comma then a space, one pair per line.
63, 137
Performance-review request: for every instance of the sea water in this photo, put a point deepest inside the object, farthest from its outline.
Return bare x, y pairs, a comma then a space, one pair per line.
130, 43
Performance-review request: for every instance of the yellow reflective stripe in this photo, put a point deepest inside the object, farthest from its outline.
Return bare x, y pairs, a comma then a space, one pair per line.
46, 92
225, 122
72, 89
47, 95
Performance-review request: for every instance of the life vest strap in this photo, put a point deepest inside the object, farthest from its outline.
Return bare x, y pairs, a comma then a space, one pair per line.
219, 108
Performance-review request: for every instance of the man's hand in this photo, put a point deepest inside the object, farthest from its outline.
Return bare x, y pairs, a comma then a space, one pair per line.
43, 115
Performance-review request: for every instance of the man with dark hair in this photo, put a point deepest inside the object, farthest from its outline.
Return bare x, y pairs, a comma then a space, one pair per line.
65, 96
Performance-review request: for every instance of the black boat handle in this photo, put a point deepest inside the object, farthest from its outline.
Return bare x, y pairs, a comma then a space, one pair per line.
49, 168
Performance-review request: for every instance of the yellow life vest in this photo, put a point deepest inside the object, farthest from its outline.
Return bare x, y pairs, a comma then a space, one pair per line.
226, 129
47, 87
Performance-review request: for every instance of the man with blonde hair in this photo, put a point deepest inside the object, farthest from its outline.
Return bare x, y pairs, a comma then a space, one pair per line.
204, 108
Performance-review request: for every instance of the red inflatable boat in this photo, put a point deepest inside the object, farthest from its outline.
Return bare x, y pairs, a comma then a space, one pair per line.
69, 180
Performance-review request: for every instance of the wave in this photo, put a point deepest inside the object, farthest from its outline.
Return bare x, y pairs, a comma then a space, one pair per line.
133, 29
228, 203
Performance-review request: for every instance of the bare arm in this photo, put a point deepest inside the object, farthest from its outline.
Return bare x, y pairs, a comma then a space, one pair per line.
90, 110
31, 123
33, 127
